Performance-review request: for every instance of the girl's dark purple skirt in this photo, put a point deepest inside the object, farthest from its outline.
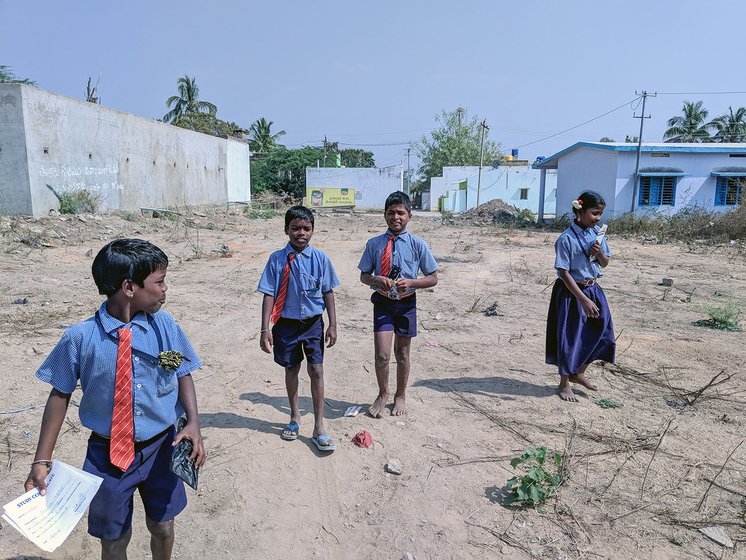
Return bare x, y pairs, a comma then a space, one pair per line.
573, 339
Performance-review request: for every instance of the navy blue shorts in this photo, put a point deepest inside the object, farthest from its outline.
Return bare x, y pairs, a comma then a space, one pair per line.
292, 338
162, 492
398, 315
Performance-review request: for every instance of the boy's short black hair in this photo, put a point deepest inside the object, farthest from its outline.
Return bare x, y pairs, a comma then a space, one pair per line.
588, 199
298, 213
398, 197
126, 259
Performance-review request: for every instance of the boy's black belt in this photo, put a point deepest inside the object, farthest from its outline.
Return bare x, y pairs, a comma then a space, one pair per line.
138, 444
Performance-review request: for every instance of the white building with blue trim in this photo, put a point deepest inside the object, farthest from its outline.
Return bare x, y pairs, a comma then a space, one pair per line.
671, 176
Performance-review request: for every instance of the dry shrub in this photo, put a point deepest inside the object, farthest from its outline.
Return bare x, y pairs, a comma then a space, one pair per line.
689, 224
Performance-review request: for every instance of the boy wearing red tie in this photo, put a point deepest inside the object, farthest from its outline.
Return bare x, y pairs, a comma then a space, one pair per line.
298, 284
130, 400
390, 265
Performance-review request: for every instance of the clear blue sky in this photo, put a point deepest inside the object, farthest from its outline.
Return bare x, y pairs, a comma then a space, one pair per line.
378, 72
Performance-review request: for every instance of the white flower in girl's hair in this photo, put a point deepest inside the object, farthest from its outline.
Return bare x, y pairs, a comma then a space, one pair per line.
577, 204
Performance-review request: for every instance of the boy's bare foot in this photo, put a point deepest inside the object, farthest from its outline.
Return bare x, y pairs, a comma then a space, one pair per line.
580, 379
378, 405
400, 406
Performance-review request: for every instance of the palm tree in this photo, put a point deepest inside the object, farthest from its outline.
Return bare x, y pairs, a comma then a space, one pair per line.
261, 139
8, 77
187, 101
691, 127
730, 127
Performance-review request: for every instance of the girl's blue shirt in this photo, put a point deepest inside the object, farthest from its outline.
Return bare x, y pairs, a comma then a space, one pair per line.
571, 252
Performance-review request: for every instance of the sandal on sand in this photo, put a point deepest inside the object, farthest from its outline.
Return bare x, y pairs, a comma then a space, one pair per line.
293, 428
322, 443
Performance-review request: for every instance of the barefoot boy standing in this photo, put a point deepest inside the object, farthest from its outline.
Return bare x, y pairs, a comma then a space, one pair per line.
130, 401
390, 265
298, 284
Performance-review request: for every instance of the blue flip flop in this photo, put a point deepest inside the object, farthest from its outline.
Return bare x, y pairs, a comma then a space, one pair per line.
293, 428
318, 441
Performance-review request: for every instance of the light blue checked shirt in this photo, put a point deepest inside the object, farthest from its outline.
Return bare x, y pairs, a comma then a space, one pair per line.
571, 252
409, 252
311, 276
87, 353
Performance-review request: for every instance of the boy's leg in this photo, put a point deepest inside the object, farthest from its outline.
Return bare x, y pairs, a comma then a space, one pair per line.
161, 538
316, 373
116, 550
291, 384
382, 348
402, 345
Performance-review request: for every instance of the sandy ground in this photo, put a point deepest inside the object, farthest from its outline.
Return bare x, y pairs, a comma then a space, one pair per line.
480, 394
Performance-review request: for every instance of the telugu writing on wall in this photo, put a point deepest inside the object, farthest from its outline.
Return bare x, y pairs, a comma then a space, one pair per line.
67, 178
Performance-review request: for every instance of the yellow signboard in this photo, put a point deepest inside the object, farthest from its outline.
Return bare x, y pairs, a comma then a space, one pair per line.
322, 197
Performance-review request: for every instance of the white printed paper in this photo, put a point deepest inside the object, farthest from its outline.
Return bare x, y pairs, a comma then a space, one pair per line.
48, 520
600, 237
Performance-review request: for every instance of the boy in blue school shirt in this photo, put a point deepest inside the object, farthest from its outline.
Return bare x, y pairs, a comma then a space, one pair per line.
129, 402
297, 284
390, 265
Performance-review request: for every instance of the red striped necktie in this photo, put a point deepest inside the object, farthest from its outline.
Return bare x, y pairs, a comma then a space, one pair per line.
282, 294
386, 256
122, 445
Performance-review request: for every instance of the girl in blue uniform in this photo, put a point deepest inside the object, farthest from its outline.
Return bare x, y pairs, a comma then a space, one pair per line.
579, 327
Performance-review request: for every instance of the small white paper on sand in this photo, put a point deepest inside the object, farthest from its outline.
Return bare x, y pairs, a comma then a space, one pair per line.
48, 520
353, 410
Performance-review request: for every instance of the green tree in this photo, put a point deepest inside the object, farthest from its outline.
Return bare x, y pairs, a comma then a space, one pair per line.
453, 143
357, 157
631, 139
607, 139
730, 127
692, 126
210, 124
284, 171
8, 77
261, 138
187, 101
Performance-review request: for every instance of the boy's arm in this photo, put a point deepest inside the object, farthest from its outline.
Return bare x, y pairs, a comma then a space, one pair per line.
369, 279
51, 422
265, 338
428, 281
331, 311
188, 399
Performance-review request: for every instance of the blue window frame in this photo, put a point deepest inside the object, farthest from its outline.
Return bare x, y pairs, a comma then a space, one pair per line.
728, 190
657, 191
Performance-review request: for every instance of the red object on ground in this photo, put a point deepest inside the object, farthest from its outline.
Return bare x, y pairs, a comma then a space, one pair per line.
362, 439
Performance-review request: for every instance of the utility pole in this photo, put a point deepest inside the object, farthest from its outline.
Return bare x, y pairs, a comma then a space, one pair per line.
484, 126
409, 173
642, 118
324, 150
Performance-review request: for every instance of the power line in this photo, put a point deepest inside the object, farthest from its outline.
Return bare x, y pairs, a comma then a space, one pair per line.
701, 92
581, 124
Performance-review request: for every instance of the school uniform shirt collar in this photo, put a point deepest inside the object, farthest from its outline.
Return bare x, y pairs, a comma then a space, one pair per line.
580, 231
112, 324
403, 236
305, 252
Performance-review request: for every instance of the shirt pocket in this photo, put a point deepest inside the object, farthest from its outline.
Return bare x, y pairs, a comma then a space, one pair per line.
166, 382
310, 285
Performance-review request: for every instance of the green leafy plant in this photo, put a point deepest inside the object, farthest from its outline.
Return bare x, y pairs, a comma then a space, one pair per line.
536, 484
609, 403
78, 202
724, 318
258, 213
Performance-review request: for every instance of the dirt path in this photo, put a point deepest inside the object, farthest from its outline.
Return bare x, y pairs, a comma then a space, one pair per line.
480, 395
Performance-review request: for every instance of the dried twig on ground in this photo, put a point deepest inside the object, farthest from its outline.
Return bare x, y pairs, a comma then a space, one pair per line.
644, 478
712, 482
460, 396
